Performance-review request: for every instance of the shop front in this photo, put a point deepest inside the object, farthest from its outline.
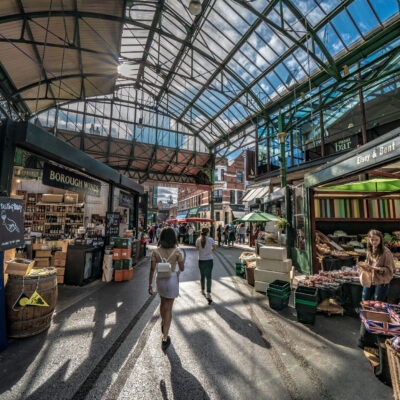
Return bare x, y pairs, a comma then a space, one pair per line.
72, 205
344, 199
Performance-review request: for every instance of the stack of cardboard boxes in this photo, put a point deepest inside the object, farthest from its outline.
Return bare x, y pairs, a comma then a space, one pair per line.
60, 259
42, 257
122, 259
272, 264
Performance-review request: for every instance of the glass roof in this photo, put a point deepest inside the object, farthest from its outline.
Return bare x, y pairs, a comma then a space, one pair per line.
213, 76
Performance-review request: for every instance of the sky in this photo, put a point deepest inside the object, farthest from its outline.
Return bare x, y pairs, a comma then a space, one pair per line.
164, 194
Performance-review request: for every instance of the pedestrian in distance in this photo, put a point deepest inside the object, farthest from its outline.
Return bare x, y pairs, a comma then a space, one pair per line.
232, 236
167, 287
205, 246
226, 234
242, 233
220, 231
190, 233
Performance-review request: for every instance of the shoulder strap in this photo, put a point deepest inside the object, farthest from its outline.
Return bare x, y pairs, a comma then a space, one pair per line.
160, 256
171, 254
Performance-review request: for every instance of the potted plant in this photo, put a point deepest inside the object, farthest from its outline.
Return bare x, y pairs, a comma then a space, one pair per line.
281, 225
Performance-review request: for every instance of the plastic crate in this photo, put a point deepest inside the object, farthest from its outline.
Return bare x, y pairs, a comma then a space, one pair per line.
278, 301
305, 312
239, 267
307, 293
279, 287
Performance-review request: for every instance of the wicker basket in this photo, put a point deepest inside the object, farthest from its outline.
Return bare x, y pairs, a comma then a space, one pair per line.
394, 365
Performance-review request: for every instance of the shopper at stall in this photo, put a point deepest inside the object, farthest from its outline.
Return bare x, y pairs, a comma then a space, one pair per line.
205, 246
168, 288
226, 234
255, 236
379, 266
100, 229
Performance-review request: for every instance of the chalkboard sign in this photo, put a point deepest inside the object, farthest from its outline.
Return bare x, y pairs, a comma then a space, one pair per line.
11, 223
112, 224
125, 200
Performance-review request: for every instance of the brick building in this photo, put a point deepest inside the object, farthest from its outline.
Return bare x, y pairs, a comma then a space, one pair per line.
228, 193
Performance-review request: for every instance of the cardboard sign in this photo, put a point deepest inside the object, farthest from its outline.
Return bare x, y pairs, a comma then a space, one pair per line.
68, 180
112, 224
11, 223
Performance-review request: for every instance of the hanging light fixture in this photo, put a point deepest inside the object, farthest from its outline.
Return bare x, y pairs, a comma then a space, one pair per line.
195, 7
140, 123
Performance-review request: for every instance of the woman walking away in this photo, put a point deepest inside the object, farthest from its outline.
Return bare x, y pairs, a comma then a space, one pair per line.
190, 233
167, 283
232, 236
205, 246
220, 231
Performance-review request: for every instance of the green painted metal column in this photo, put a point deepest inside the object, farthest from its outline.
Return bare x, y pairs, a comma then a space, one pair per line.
212, 233
282, 136
7, 154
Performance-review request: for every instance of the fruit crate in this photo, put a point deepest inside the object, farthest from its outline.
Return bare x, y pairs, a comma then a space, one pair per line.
240, 268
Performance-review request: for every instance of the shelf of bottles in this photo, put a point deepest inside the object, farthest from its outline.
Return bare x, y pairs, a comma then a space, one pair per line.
52, 219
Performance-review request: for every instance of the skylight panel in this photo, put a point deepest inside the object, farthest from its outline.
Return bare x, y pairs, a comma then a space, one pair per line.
331, 41
345, 28
385, 8
365, 19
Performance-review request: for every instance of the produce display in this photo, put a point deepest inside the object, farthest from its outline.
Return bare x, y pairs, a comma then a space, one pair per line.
332, 279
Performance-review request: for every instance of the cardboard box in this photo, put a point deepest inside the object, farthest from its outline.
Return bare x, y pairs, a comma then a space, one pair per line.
260, 286
274, 265
61, 271
19, 266
59, 263
37, 246
126, 254
71, 198
117, 254
273, 253
60, 278
60, 255
52, 198
65, 244
270, 276
43, 253
42, 262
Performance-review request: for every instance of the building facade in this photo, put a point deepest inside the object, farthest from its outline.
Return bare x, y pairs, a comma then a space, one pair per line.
228, 193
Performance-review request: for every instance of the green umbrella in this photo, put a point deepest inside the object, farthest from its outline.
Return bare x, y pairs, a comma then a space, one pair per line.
258, 216
373, 185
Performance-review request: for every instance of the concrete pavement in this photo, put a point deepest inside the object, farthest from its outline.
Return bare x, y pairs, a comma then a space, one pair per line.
107, 345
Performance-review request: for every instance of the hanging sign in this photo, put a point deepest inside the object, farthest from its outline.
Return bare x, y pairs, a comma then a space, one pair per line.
250, 165
68, 180
125, 200
11, 223
112, 223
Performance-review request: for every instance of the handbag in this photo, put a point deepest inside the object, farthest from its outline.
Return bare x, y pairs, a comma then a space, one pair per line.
164, 268
366, 278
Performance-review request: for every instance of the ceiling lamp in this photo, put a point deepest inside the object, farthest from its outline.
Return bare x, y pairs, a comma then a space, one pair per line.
195, 7
140, 124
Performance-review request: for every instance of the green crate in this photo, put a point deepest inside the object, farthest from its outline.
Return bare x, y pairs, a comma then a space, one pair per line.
117, 264
239, 267
126, 264
121, 243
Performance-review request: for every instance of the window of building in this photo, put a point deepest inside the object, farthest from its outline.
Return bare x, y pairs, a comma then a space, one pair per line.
218, 196
232, 195
239, 177
239, 196
199, 200
217, 216
222, 174
226, 217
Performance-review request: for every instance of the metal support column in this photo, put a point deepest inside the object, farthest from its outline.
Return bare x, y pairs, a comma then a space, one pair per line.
110, 207
282, 136
212, 206
136, 215
362, 110
3, 332
321, 125
7, 154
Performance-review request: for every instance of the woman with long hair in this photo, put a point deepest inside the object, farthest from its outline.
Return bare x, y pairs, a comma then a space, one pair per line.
168, 288
205, 246
380, 264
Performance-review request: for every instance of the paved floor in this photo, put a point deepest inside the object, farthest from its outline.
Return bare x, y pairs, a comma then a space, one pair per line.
105, 340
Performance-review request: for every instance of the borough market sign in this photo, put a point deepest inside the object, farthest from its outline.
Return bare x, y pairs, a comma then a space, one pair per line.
68, 180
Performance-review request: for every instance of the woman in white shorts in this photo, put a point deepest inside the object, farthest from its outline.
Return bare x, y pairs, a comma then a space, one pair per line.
168, 288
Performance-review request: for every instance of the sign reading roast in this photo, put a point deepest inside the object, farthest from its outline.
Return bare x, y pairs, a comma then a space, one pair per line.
68, 180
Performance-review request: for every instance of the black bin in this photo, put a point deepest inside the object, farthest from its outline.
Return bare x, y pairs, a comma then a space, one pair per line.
278, 301
306, 299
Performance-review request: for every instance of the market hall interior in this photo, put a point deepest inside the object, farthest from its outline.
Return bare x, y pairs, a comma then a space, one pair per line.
105, 343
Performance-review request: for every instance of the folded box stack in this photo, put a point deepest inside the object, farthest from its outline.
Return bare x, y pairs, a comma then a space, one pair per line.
42, 258
60, 259
272, 265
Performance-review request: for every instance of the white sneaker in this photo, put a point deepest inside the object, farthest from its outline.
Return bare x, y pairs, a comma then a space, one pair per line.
208, 296
203, 292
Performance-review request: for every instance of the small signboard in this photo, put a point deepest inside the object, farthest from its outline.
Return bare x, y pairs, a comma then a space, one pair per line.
112, 224
11, 223
68, 180
125, 200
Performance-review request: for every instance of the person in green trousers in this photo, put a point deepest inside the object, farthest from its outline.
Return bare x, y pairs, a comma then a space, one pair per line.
205, 246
